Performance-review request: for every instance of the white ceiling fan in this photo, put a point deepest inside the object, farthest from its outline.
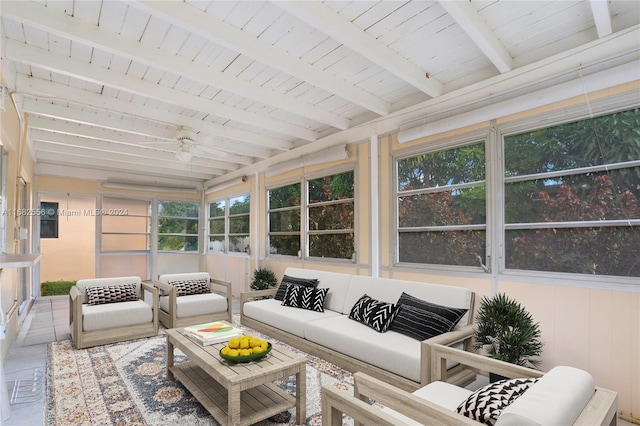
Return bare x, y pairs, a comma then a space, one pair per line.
188, 145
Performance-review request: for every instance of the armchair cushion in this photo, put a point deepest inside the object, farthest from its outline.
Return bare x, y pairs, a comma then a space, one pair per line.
486, 404
188, 287
112, 293
112, 315
195, 304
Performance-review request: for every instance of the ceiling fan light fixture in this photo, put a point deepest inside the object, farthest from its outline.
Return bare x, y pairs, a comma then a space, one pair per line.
184, 155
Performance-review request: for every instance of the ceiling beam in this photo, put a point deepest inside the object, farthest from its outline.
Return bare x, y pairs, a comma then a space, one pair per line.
124, 153
88, 159
66, 26
122, 139
467, 17
209, 27
258, 145
601, 16
51, 61
344, 31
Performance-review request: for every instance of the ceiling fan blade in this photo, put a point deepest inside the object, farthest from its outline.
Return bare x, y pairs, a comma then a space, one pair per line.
213, 151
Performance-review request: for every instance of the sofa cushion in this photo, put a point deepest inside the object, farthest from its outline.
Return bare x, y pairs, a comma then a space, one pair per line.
336, 282
486, 404
390, 290
195, 304
98, 295
373, 313
286, 318
288, 280
557, 398
112, 315
390, 351
422, 320
188, 287
305, 297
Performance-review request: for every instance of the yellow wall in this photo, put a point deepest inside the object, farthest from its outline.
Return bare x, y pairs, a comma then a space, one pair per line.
71, 256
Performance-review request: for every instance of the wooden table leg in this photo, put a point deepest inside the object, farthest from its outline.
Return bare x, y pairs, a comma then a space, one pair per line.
301, 395
233, 407
169, 358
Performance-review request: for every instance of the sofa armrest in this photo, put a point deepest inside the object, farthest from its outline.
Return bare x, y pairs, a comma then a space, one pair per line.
228, 293
164, 288
154, 297
440, 354
249, 296
336, 402
464, 334
419, 409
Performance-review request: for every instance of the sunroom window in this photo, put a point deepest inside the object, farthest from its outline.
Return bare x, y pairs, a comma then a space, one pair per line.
441, 202
572, 197
178, 226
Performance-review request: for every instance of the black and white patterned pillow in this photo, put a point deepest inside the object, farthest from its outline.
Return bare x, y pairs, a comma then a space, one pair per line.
188, 287
486, 404
308, 298
98, 295
288, 280
422, 320
374, 313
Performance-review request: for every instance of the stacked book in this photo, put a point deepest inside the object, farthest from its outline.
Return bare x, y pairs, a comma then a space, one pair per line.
212, 332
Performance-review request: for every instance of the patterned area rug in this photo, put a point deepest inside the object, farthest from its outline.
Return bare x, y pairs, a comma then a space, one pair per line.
125, 384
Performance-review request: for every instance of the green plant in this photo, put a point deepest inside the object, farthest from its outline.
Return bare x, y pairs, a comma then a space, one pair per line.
507, 331
56, 288
263, 279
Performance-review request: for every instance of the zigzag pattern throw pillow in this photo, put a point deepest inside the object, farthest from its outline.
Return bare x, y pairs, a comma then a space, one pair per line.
486, 404
187, 287
111, 293
305, 297
373, 313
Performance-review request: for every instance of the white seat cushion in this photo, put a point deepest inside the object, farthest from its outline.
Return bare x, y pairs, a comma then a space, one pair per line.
390, 351
443, 394
195, 304
110, 315
286, 318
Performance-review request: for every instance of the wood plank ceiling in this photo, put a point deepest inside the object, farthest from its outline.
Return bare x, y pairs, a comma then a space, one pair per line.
117, 88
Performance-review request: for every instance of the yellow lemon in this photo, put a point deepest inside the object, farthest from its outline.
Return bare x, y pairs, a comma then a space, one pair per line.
233, 352
257, 350
245, 352
225, 350
254, 342
234, 343
264, 345
244, 343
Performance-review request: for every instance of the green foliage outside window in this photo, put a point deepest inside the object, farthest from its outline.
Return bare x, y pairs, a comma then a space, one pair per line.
587, 172
178, 226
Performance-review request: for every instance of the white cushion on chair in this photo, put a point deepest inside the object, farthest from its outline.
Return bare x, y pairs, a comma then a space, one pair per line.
113, 315
195, 304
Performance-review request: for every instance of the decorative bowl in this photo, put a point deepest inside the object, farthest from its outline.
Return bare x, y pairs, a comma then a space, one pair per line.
246, 358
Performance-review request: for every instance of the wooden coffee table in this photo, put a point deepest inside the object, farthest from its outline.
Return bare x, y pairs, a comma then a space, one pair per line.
242, 393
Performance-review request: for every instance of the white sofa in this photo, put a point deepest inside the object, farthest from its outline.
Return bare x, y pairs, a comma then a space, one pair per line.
331, 335
562, 396
94, 324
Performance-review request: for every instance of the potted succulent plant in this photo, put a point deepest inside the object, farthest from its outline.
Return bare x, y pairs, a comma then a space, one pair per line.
263, 279
506, 331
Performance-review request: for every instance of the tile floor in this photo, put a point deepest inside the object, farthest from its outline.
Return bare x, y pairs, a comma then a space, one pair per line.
47, 321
